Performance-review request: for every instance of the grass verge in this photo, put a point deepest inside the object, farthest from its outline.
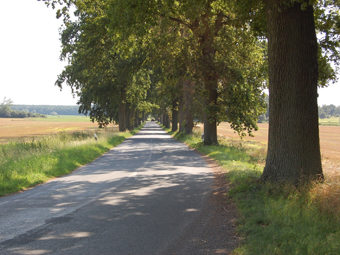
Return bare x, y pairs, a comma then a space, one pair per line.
333, 121
26, 164
274, 219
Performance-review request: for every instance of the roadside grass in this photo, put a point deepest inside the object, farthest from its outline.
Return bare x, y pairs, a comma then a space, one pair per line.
28, 163
274, 219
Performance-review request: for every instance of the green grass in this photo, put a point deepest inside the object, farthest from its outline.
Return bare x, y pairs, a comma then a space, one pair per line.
61, 118
26, 164
274, 219
332, 121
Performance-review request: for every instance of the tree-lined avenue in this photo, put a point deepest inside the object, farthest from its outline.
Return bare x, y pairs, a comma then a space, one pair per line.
136, 199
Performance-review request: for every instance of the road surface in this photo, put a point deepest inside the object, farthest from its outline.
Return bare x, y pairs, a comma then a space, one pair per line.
139, 198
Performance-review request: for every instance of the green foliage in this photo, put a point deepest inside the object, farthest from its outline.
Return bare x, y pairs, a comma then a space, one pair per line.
327, 22
5, 107
99, 71
329, 110
47, 109
209, 45
7, 112
147, 49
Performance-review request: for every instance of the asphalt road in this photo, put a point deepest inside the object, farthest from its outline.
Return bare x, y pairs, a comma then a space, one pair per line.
139, 198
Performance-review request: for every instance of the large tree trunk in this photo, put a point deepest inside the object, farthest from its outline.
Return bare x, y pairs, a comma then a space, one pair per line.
181, 116
121, 113
210, 87
210, 120
174, 116
167, 121
293, 142
139, 120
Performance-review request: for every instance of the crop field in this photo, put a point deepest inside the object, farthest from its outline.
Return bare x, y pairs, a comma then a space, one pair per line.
329, 142
14, 129
18, 129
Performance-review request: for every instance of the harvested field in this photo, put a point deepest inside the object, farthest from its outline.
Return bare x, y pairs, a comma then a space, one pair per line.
329, 141
13, 129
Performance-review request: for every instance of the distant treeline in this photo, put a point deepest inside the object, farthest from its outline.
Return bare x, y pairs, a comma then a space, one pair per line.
48, 109
327, 111
7, 112
20, 114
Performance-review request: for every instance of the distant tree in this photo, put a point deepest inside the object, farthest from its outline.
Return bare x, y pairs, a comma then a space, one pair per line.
329, 110
5, 107
337, 111
54, 113
262, 118
47, 109
322, 115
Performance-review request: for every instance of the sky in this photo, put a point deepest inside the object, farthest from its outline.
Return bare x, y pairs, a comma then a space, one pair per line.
29, 57
29, 54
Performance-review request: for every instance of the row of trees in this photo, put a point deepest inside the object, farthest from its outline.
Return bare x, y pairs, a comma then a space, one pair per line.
326, 111
209, 60
7, 112
47, 109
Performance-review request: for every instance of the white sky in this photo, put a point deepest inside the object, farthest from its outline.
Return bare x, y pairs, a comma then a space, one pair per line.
29, 56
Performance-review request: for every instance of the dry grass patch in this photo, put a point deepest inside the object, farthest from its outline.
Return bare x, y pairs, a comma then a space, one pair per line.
18, 129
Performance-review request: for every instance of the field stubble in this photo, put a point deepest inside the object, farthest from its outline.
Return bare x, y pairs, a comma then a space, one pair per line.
329, 142
20, 129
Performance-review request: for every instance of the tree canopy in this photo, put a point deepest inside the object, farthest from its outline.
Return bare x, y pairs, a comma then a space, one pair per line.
208, 59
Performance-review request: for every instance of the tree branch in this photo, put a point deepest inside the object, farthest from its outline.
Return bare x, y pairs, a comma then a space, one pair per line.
179, 21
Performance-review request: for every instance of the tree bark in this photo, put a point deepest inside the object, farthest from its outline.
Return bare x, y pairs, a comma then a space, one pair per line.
167, 121
187, 96
127, 116
210, 87
293, 142
181, 116
210, 120
132, 118
136, 118
122, 126
174, 116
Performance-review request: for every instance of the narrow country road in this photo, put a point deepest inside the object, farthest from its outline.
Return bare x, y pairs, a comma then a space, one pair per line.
139, 198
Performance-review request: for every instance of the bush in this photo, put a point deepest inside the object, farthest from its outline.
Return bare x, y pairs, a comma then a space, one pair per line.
54, 113
322, 115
